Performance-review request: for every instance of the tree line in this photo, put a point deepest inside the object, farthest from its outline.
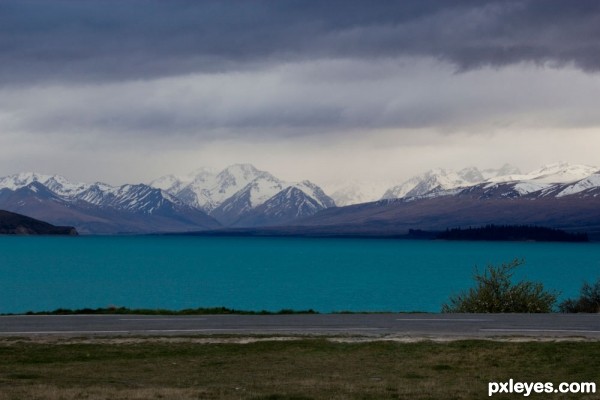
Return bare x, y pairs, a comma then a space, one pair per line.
512, 232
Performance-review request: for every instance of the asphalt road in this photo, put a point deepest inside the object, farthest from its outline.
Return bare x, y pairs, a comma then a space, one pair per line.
415, 325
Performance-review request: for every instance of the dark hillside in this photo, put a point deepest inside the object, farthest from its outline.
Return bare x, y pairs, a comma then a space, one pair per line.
17, 224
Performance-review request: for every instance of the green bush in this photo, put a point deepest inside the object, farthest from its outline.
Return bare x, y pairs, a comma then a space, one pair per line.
496, 293
588, 301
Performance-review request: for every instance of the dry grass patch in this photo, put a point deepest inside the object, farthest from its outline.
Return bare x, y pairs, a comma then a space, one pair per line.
298, 369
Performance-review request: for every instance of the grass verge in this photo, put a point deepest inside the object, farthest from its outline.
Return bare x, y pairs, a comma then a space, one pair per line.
160, 311
307, 368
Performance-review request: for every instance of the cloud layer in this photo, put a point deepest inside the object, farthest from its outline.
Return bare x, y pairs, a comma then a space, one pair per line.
66, 40
120, 90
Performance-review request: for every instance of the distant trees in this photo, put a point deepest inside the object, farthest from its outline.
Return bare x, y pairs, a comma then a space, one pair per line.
495, 292
512, 232
588, 301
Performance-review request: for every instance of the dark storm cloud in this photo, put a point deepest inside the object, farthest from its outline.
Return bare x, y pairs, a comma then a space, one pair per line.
107, 40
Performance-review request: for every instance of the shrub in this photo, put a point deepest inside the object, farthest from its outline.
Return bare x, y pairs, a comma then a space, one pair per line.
496, 293
588, 301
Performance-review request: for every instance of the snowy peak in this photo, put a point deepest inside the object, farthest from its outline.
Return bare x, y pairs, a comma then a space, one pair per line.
545, 180
551, 173
192, 185
507, 180
506, 169
242, 172
286, 206
98, 207
356, 191
315, 192
349, 194
169, 183
234, 191
39, 191
553, 180
262, 189
132, 198
206, 190
249, 197
295, 200
236, 176
471, 175
589, 185
17, 181
434, 182
562, 173
56, 183
97, 194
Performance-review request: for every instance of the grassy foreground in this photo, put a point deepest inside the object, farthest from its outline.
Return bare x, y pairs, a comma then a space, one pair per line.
313, 368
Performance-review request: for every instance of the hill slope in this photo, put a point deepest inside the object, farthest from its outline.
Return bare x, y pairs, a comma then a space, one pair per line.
397, 217
17, 224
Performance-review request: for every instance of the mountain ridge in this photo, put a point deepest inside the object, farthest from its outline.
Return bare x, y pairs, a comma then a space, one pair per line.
483, 204
243, 196
140, 208
441, 182
98, 207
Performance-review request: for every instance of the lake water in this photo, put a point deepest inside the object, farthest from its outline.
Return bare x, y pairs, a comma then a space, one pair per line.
176, 272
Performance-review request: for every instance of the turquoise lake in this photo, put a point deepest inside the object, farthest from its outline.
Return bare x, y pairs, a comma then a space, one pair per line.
176, 272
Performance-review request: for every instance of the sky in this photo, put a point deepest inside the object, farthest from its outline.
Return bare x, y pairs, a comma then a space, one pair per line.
124, 91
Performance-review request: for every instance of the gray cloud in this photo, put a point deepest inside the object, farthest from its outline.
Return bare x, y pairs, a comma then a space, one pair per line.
104, 40
338, 98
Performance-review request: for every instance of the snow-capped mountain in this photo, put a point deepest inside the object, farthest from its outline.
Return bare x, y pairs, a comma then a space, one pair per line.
589, 186
506, 169
357, 191
208, 190
561, 173
290, 202
56, 183
98, 207
549, 174
180, 203
563, 196
506, 181
168, 183
133, 198
314, 192
286, 206
350, 194
559, 179
436, 181
255, 193
235, 191
243, 196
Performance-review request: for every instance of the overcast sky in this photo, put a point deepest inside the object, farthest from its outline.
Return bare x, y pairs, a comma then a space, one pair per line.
126, 91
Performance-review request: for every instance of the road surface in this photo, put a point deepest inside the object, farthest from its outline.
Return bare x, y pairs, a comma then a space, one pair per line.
411, 325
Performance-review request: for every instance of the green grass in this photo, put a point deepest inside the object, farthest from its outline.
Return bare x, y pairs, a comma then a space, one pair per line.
298, 369
160, 311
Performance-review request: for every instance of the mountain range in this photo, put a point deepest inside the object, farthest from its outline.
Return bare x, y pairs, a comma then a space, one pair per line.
240, 196
559, 195
206, 201
440, 181
99, 208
